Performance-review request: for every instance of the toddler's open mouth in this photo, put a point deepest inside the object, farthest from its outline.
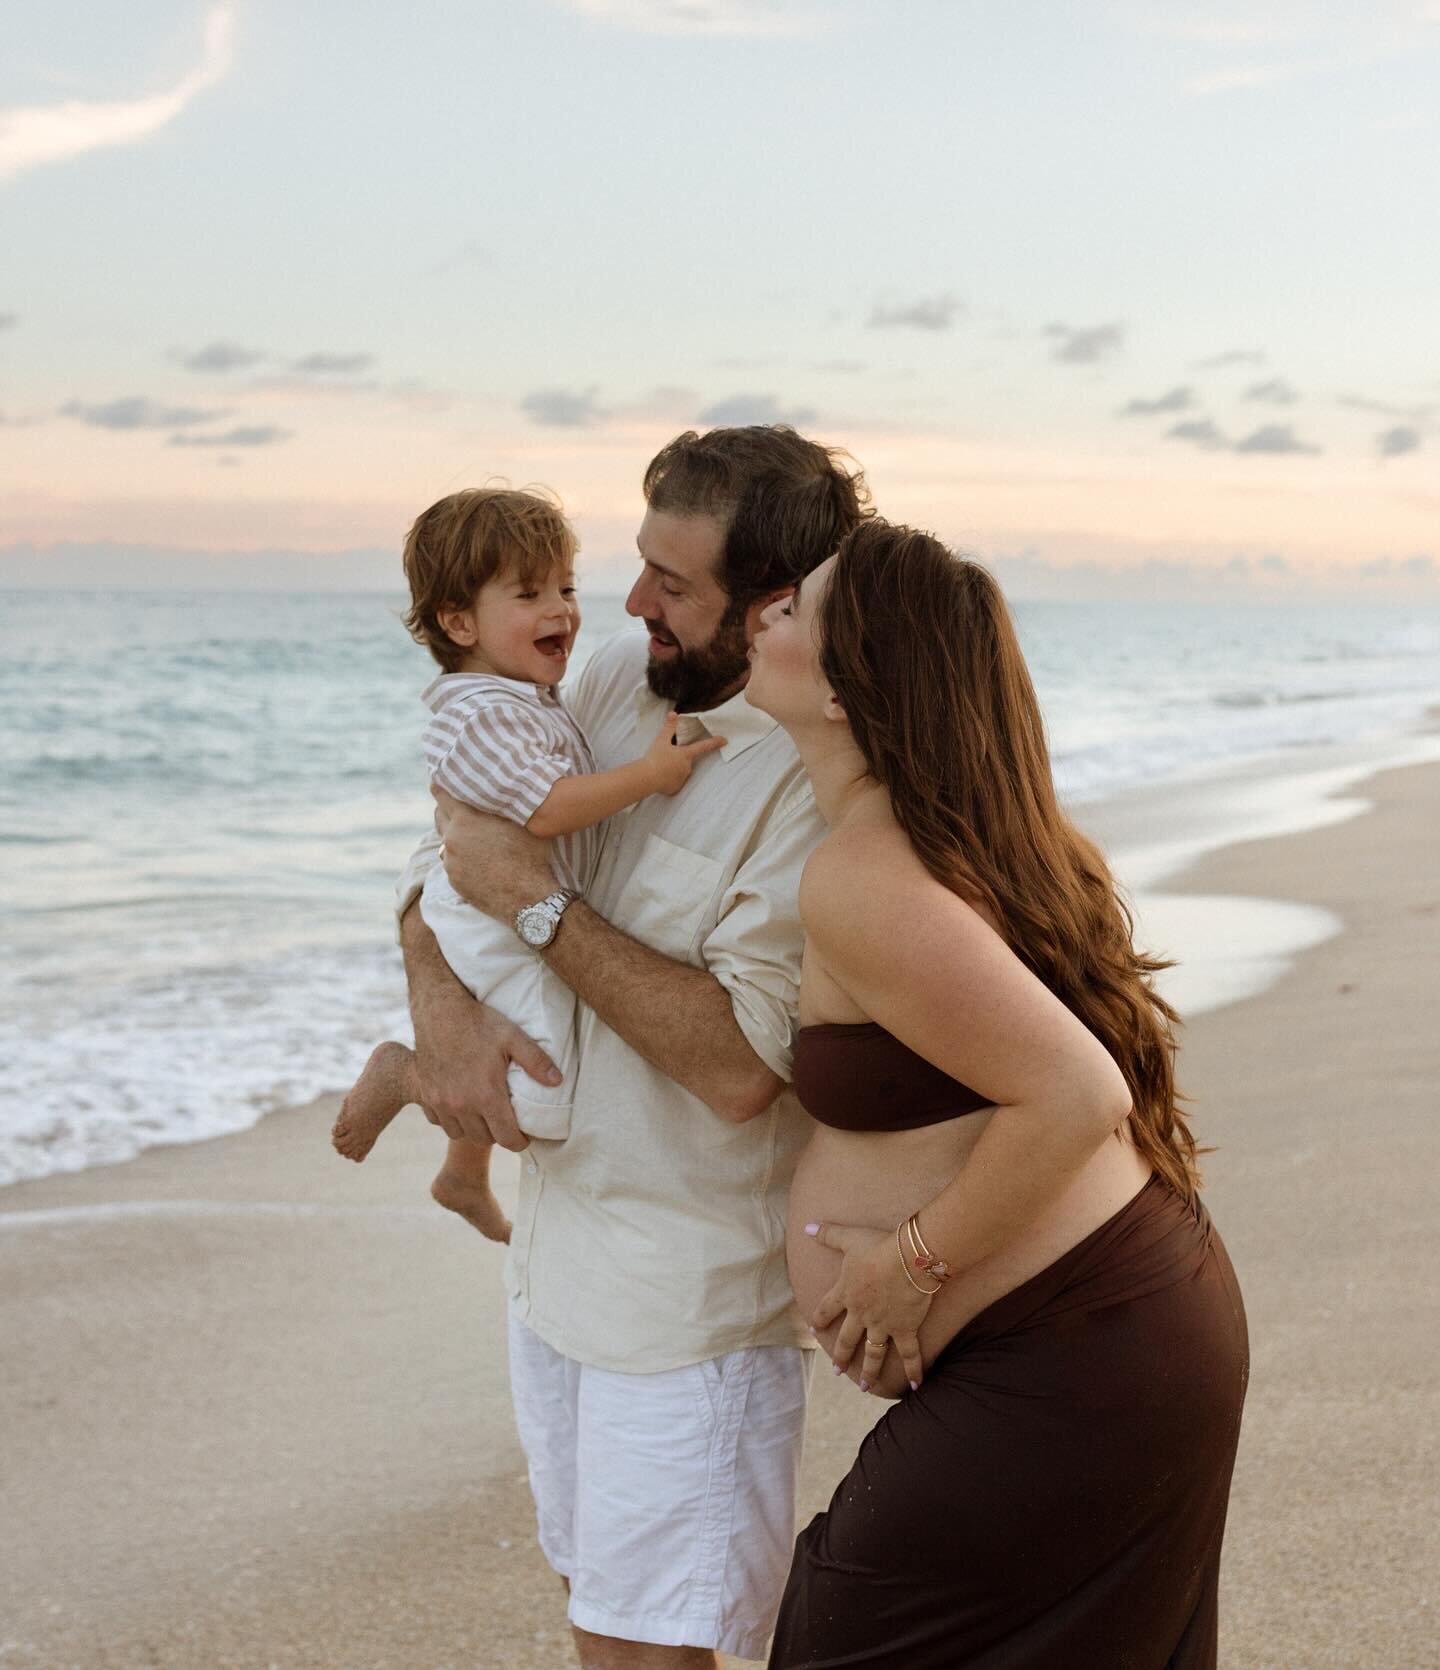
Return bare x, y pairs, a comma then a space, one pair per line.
556, 645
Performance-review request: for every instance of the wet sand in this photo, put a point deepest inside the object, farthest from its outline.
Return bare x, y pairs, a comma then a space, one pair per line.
253, 1398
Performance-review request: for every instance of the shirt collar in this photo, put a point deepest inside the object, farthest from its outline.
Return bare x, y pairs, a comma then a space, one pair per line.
449, 685
736, 720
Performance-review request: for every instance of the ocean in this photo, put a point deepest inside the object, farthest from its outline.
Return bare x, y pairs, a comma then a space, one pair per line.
204, 801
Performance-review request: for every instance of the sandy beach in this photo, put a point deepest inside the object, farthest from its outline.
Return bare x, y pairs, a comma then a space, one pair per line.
254, 1399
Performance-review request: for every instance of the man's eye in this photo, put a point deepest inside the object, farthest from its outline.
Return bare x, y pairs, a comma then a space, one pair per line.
669, 591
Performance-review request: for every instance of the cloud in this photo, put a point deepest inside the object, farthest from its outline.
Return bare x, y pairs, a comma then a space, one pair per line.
1085, 344
738, 410
1231, 356
755, 19
1275, 392
331, 365
31, 136
8, 321
1278, 438
1420, 413
1199, 432
1421, 566
838, 368
1394, 443
1180, 399
253, 434
471, 253
929, 313
218, 356
1237, 76
563, 408
136, 411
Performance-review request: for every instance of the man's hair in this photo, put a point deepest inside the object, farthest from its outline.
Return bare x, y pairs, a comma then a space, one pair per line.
468, 538
785, 502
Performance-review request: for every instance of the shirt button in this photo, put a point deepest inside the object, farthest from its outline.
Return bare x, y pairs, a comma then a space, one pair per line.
531, 1166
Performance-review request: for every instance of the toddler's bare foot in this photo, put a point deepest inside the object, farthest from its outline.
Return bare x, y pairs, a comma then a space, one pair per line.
473, 1199
379, 1094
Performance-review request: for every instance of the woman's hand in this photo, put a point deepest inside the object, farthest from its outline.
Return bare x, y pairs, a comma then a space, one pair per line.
877, 1300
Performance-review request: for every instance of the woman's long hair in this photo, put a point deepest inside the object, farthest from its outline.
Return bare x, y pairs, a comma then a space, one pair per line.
920, 650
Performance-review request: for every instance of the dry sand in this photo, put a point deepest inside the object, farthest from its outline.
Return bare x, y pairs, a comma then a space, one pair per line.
253, 1399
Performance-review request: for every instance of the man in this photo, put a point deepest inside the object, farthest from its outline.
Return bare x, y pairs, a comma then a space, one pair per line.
658, 1364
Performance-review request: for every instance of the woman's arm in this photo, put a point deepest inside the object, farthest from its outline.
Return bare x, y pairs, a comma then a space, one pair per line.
577, 802
931, 970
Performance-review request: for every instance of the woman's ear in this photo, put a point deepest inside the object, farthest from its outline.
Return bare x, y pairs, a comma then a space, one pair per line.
458, 625
833, 710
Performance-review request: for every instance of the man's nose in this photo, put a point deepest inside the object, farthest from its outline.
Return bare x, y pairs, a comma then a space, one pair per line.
635, 603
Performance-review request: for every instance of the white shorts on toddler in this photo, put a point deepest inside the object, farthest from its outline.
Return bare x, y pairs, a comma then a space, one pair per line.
667, 1500
490, 960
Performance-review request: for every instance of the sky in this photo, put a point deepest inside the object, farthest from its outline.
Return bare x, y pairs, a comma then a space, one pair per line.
1125, 297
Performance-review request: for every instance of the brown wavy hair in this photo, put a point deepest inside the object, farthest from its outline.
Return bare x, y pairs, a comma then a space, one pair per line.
921, 652
468, 538
786, 501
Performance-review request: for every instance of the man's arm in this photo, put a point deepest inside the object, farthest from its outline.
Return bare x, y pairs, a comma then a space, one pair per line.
680, 1018
463, 1048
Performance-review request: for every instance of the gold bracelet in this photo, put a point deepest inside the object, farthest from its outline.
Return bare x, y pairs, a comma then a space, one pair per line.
905, 1266
924, 1258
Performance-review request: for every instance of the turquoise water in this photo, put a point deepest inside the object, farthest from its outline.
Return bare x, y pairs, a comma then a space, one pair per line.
204, 801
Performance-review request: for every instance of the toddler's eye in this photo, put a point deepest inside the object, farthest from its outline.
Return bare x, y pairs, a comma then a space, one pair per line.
528, 596
569, 591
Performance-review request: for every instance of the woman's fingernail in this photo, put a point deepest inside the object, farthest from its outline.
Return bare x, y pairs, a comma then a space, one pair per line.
914, 1385
812, 1229
835, 1368
864, 1385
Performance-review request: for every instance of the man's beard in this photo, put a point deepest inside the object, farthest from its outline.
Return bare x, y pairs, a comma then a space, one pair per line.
697, 679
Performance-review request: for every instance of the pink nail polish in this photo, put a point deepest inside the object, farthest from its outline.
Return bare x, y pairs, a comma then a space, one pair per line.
836, 1369
864, 1385
914, 1385
812, 1229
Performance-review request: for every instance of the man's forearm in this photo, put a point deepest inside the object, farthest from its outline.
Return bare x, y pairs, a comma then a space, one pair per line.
429, 976
678, 1017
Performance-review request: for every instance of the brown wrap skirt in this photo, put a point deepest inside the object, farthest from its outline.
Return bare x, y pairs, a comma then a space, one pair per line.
1054, 1495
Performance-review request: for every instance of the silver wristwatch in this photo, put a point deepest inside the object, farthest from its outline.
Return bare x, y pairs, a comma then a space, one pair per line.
538, 924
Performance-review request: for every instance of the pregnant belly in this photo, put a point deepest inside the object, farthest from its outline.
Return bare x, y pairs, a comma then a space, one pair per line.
878, 1178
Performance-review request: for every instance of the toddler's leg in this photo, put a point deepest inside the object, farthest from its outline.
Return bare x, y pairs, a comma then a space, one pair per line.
463, 1185
388, 1083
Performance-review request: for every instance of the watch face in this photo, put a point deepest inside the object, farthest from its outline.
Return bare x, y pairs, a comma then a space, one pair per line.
536, 926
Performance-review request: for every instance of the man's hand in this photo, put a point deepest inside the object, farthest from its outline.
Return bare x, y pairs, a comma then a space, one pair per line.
464, 1050
492, 863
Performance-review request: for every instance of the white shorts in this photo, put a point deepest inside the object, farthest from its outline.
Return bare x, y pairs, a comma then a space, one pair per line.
667, 1500
487, 957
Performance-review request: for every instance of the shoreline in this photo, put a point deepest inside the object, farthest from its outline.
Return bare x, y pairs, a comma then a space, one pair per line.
256, 1397
1226, 951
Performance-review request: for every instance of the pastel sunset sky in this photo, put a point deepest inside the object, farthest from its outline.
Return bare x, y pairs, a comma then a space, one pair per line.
1124, 296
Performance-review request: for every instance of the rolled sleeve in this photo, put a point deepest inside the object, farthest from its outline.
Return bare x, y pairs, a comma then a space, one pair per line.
754, 949
501, 761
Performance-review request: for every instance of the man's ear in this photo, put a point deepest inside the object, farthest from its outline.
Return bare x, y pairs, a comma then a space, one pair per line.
458, 625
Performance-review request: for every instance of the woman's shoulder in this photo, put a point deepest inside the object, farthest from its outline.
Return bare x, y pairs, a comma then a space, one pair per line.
862, 867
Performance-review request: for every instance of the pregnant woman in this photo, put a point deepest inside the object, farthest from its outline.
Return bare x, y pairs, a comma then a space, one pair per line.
996, 1221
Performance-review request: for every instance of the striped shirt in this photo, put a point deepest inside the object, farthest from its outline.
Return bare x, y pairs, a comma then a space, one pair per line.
500, 745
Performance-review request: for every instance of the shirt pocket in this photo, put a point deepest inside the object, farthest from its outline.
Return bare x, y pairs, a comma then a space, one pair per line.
667, 900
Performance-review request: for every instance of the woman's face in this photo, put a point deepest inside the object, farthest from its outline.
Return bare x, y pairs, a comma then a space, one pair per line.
785, 677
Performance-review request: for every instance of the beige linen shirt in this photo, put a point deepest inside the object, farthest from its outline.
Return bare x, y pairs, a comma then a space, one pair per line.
653, 1236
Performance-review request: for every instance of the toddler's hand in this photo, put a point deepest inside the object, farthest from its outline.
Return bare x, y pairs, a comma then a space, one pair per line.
672, 762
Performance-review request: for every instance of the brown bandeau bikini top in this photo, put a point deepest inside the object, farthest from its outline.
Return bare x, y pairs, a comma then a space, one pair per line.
856, 1076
